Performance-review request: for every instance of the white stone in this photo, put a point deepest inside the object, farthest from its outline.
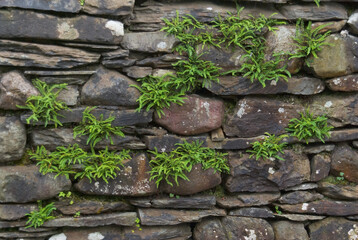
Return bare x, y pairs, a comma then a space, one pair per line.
95, 236
116, 27
60, 236
304, 206
328, 104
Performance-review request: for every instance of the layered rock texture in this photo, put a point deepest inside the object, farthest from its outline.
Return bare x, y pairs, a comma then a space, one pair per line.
101, 48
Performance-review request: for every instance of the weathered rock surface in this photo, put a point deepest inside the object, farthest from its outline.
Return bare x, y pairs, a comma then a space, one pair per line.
132, 180
150, 217
167, 143
299, 197
26, 235
247, 200
252, 212
324, 207
149, 42
344, 159
138, 72
209, 229
178, 232
12, 224
109, 7
338, 191
252, 175
163, 61
20, 184
315, 149
320, 166
21, 54
91, 207
28, 24
300, 217
231, 86
332, 228
69, 95
353, 22
118, 63
72, 6
15, 211
108, 87
303, 187
121, 219
253, 116
327, 11
54, 137
344, 84
238, 227
122, 117
12, 139
285, 230
199, 180
14, 90
197, 115
199, 202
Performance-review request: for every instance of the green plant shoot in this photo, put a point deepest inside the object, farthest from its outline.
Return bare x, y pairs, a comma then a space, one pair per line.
268, 148
38, 217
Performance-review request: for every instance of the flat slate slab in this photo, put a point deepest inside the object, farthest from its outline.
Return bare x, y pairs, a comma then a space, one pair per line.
70, 6
19, 24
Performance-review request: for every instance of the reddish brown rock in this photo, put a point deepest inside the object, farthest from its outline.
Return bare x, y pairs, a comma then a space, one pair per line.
324, 207
320, 166
197, 115
247, 200
132, 180
299, 197
344, 84
248, 174
209, 229
333, 228
335, 191
253, 116
91, 207
200, 180
345, 159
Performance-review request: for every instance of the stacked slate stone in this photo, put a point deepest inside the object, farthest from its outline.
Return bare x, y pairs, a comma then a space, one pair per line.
100, 48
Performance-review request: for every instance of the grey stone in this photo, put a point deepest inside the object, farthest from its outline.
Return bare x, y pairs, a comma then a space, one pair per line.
252, 212
109, 7
120, 219
338, 191
232, 86
299, 197
12, 139
21, 184
167, 143
21, 54
91, 207
247, 174
69, 95
304, 186
59, 73
332, 26
332, 228
324, 207
111, 88
68, 80
299, 217
238, 227
28, 24
15, 211
197, 202
12, 224
138, 72
122, 117
178, 232
344, 159
149, 42
164, 61
120, 53
19, 235
54, 137
314, 149
209, 229
320, 167
71, 6
247, 199
353, 22
285, 230
197, 115
118, 63
150, 217
327, 11
91, 47
14, 90
253, 116
132, 180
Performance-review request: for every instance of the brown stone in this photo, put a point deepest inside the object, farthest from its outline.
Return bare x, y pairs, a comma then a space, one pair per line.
138, 72
254, 212
72, 6
150, 217
253, 116
320, 166
300, 217
285, 230
248, 174
332, 26
196, 115
91, 207
195, 202
338, 191
299, 197
14, 90
199, 180
21, 184
132, 180
15, 211
108, 7
247, 200
344, 84
209, 229
344, 159
324, 207
332, 228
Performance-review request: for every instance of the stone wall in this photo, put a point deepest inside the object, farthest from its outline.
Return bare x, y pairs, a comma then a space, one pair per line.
100, 48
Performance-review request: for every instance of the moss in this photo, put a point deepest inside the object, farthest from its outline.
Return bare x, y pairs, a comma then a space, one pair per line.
335, 181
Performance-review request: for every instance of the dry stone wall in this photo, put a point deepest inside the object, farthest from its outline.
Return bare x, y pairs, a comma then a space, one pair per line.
100, 49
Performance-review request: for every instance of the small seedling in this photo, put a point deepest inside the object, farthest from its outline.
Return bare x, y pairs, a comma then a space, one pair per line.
340, 177
277, 210
82, 2
77, 214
